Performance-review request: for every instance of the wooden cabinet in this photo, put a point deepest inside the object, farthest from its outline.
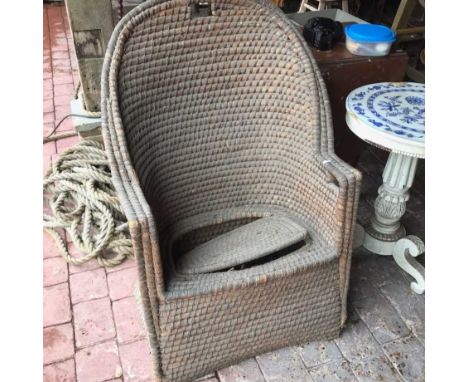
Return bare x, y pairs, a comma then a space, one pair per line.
344, 72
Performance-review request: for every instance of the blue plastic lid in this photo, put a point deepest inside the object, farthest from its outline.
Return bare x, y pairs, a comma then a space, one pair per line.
370, 33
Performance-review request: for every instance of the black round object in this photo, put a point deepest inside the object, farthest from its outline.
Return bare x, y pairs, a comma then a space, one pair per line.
322, 33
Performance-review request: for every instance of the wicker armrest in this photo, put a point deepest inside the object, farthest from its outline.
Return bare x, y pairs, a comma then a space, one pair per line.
331, 189
347, 181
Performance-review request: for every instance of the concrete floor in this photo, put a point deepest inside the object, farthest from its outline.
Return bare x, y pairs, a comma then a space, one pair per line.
92, 328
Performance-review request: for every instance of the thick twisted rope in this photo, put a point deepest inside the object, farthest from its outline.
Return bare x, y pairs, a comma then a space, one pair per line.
83, 201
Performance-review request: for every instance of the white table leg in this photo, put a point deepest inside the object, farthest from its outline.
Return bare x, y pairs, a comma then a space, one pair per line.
385, 235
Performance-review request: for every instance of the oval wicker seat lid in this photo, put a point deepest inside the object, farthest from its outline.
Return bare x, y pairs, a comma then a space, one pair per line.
250, 242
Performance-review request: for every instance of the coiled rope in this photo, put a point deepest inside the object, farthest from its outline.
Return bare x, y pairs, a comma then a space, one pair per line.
82, 200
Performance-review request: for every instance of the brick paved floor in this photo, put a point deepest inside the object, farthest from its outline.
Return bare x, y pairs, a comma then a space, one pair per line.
92, 328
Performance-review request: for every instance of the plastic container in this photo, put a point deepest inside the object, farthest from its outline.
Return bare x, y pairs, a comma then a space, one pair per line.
369, 39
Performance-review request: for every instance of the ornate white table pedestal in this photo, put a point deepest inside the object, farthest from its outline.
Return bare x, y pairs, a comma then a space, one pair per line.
391, 116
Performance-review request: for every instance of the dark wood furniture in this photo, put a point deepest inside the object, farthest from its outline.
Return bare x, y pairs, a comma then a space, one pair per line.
344, 72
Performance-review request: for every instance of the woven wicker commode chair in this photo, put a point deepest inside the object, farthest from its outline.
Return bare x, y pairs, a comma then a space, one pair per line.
218, 131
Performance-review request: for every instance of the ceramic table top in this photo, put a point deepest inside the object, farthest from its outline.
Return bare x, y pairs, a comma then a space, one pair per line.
390, 115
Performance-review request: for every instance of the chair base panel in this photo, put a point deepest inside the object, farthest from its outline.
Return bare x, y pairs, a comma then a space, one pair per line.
205, 333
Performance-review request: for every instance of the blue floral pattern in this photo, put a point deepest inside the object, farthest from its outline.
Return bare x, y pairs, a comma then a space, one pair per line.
397, 108
412, 100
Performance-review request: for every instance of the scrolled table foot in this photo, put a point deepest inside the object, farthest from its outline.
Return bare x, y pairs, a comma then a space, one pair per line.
404, 252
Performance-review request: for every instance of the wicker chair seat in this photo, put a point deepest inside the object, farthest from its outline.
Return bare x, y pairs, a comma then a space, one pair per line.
266, 237
187, 234
313, 253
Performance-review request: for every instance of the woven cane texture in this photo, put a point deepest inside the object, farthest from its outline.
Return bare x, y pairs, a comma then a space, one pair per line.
284, 311
211, 122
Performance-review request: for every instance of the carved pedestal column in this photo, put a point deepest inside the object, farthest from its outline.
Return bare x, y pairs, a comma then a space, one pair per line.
390, 204
385, 235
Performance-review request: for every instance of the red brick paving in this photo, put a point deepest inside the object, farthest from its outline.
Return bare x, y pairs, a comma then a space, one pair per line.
56, 304
47, 128
61, 112
48, 84
48, 149
48, 106
45, 165
122, 283
81, 341
58, 343
64, 89
48, 117
98, 363
88, 285
136, 362
89, 266
47, 93
93, 322
65, 143
128, 322
66, 125
60, 372
55, 271
129, 263
48, 245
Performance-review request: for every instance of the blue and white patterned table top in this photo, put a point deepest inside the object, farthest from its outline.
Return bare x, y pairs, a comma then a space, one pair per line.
390, 114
